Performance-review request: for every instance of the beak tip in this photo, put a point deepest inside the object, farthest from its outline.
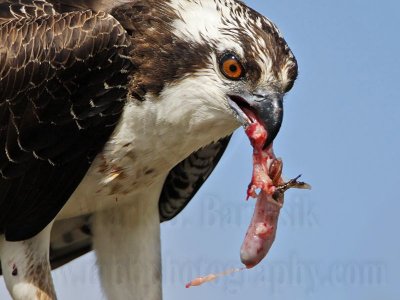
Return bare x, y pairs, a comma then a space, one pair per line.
272, 133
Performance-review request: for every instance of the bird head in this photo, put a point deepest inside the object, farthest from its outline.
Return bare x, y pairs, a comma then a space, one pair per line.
217, 64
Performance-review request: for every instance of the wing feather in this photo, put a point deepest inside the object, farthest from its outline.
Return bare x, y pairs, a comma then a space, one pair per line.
186, 178
63, 84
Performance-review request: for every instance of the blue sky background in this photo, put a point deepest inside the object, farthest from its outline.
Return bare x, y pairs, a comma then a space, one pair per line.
338, 241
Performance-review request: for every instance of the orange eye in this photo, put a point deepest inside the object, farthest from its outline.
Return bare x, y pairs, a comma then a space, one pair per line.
231, 67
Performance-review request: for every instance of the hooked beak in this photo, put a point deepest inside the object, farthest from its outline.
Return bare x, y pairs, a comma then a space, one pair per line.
265, 108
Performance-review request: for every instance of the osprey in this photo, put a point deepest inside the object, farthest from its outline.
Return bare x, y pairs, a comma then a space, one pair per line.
113, 114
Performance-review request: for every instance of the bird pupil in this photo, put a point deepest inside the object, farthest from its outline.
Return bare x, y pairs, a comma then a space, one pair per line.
232, 68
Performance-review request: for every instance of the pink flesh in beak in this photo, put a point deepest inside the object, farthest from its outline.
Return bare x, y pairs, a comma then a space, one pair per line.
266, 176
267, 172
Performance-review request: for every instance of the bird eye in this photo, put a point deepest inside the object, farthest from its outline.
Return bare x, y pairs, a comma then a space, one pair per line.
231, 67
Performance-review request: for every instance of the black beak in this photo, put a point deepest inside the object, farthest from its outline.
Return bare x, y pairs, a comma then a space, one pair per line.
267, 107
270, 111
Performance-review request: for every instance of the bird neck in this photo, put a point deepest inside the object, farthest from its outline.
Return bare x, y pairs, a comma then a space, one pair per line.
163, 131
